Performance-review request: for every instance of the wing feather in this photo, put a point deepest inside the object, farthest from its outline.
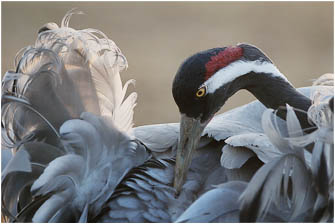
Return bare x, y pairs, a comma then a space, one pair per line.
235, 157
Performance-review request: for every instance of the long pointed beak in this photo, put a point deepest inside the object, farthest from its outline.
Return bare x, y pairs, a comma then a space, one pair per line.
190, 133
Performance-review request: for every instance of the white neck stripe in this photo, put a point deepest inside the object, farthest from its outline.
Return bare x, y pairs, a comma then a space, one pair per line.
237, 69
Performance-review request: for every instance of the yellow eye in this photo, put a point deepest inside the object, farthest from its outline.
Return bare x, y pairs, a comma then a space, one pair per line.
201, 92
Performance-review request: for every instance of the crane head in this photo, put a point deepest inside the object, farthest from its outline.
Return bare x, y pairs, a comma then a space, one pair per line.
203, 84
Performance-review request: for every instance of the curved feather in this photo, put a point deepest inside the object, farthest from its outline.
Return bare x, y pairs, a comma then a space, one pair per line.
159, 137
287, 179
19, 162
65, 111
220, 204
266, 187
94, 168
257, 143
234, 157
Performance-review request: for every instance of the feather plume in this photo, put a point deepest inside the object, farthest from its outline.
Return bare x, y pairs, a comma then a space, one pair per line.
294, 180
66, 115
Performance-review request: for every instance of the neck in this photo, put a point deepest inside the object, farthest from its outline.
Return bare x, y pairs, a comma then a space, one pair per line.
275, 93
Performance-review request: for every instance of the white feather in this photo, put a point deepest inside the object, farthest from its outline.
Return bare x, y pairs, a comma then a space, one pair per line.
159, 137
259, 143
70, 165
234, 157
90, 50
237, 69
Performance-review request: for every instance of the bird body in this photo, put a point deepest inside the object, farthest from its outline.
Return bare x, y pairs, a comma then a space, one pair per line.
78, 158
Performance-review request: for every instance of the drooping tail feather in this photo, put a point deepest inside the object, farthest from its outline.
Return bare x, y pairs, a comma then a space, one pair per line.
306, 187
65, 114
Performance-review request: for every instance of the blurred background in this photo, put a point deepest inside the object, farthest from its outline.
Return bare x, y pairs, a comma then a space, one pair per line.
157, 36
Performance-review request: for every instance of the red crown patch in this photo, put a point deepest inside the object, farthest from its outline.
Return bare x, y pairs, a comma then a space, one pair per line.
222, 59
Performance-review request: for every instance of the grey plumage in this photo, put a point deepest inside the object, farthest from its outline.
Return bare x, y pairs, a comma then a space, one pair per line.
78, 131
76, 152
78, 158
291, 176
284, 188
217, 205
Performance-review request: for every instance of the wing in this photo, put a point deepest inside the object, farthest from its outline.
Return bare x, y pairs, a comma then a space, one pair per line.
146, 193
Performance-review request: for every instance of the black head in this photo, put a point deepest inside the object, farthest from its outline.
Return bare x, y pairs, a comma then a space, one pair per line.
200, 67
203, 84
